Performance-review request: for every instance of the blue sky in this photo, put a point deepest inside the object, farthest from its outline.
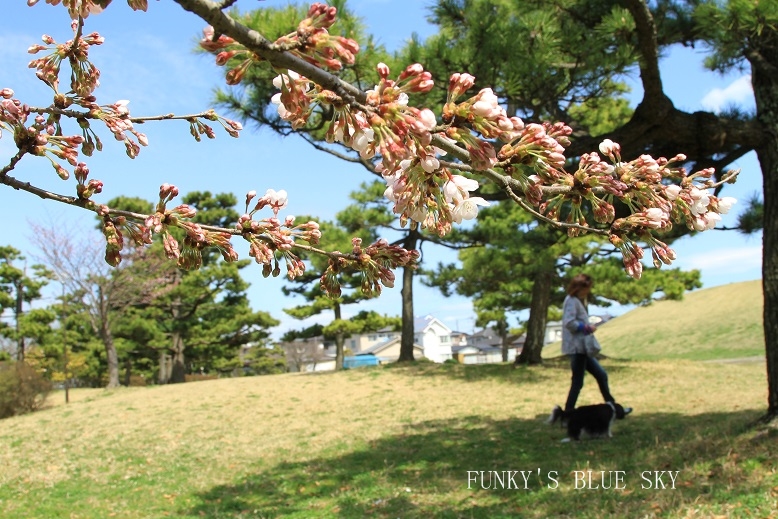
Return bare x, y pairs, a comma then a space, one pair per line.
148, 59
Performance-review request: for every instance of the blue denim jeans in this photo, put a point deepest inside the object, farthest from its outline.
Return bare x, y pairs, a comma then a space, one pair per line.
580, 364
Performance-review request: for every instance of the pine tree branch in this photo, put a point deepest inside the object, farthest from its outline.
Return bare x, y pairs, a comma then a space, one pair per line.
649, 51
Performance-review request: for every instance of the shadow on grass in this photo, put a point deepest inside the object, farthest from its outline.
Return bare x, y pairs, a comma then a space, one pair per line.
424, 472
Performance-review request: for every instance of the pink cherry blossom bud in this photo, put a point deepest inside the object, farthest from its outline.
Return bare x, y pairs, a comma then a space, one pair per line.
608, 147
383, 70
95, 186
430, 164
62, 172
223, 57
412, 70
655, 213
121, 107
48, 40
6, 93
250, 196
699, 223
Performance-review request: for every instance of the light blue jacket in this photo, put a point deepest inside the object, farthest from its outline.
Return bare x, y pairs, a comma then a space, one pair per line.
574, 317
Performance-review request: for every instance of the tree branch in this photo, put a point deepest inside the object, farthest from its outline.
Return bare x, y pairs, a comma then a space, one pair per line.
223, 24
648, 49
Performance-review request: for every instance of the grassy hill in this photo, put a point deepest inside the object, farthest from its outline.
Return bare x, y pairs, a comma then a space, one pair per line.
723, 322
400, 441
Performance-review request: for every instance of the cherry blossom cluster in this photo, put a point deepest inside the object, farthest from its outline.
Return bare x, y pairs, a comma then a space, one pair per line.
413, 149
657, 192
483, 114
433, 198
83, 8
311, 42
184, 240
269, 238
85, 77
374, 262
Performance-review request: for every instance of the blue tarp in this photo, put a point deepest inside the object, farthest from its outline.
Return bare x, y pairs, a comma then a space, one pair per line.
360, 361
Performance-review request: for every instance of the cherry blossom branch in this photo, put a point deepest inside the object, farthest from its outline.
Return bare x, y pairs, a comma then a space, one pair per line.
254, 41
528, 208
379, 123
76, 114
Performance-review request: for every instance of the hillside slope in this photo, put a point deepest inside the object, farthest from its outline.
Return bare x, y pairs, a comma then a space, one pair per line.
715, 323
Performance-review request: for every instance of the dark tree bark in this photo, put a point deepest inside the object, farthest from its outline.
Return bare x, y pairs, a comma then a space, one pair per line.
19, 311
502, 329
178, 360
106, 336
538, 314
339, 340
406, 336
764, 78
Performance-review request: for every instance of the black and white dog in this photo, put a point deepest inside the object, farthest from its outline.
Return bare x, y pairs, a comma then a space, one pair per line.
594, 420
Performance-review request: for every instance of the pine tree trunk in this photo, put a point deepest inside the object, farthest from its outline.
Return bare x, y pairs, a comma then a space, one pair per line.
538, 313
406, 335
106, 336
765, 85
339, 341
163, 377
502, 328
112, 358
19, 312
178, 372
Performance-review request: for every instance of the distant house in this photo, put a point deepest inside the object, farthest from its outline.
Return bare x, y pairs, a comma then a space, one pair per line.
429, 334
358, 343
485, 347
553, 332
554, 328
471, 354
459, 339
389, 351
434, 337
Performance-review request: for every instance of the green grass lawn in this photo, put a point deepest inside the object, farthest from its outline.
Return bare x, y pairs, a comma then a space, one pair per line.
396, 442
413, 441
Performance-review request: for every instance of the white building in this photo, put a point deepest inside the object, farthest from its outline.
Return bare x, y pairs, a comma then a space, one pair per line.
434, 337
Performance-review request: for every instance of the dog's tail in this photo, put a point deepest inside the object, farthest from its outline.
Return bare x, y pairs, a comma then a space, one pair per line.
556, 414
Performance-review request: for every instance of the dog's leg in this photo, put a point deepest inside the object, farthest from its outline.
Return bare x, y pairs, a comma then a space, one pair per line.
556, 414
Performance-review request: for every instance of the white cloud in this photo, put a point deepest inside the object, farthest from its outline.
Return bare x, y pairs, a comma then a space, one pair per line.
731, 261
738, 92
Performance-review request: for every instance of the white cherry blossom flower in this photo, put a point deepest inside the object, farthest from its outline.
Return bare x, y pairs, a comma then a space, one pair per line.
468, 209
726, 203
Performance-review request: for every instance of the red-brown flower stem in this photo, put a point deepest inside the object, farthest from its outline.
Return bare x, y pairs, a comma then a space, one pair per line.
527, 207
88, 115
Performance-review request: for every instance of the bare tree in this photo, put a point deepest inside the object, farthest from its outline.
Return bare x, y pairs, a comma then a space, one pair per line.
103, 290
302, 353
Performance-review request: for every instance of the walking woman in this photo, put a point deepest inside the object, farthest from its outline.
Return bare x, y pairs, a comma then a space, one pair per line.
575, 326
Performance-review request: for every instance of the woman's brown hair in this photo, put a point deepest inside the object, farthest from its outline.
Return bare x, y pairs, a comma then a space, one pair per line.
578, 282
